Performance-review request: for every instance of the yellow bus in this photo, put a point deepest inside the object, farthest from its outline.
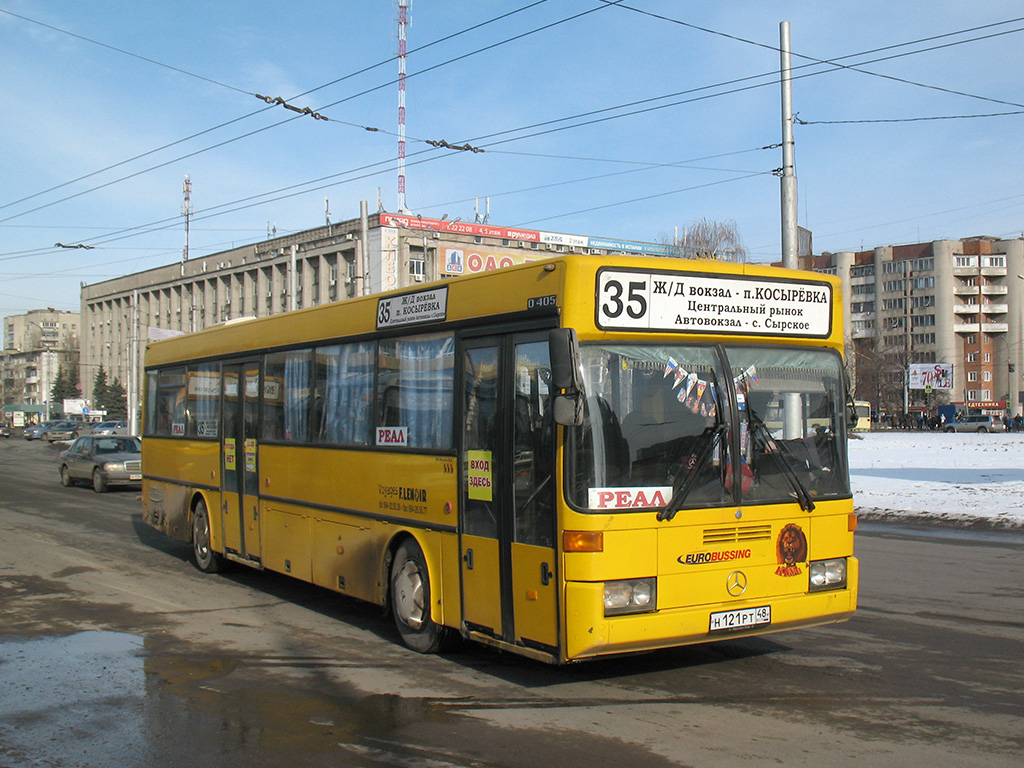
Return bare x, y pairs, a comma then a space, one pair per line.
863, 409
564, 459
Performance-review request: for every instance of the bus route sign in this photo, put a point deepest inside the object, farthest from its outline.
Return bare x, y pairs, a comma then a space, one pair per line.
704, 303
419, 307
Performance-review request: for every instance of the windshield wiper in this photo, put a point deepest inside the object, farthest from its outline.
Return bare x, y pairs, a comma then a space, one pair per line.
705, 446
774, 449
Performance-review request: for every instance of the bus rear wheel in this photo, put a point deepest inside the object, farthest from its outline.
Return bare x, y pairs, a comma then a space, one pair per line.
207, 560
410, 601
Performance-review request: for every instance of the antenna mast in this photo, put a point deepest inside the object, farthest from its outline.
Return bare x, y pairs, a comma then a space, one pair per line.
186, 211
403, 23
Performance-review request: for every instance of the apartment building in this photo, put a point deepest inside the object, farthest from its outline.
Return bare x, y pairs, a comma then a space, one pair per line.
36, 345
958, 302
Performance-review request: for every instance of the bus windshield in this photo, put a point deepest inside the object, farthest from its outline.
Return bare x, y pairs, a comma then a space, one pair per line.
682, 427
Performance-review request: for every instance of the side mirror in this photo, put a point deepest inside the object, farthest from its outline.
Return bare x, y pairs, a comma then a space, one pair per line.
851, 412
566, 377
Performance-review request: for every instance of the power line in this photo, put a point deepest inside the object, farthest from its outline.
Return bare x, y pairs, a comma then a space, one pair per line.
799, 121
644, 198
234, 120
126, 53
736, 81
834, 62
511, 131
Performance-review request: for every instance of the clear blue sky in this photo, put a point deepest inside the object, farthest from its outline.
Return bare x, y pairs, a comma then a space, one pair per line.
97, 111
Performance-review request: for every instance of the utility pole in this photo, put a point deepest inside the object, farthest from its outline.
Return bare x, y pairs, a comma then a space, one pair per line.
792, 408
403, 23
790, 239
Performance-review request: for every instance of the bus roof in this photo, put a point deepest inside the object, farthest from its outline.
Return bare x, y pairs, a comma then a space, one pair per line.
561, 290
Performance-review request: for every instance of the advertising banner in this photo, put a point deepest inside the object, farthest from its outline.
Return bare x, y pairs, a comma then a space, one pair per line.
933, 375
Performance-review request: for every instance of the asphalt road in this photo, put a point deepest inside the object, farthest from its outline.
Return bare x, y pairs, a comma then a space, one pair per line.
116, 651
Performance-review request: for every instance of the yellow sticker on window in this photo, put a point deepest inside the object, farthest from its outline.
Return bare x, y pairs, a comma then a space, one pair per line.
250, 454
479, 475
229, 454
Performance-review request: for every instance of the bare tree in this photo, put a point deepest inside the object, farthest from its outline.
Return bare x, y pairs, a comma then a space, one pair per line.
706, 239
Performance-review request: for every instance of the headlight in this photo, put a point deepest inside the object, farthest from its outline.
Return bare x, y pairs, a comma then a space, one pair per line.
827, 574
113, 466
630, 596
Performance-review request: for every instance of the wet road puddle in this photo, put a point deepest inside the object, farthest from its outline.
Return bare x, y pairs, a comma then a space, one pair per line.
66, 700
99, 698
117, 700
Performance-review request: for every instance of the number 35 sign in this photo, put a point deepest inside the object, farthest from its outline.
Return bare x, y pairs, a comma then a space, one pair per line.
706, 303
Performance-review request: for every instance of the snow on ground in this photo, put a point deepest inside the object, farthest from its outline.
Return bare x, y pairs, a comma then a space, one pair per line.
964, 479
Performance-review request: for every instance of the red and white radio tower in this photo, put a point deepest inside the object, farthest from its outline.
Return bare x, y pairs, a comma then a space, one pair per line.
403, 23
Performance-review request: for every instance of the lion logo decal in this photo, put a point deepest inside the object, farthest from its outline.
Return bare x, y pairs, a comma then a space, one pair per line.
791, 548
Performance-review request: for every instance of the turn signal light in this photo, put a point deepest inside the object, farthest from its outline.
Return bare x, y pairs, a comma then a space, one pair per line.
583, 541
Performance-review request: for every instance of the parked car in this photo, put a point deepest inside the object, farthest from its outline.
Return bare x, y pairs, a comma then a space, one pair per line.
110, 428
64, 430
36, 431
103, 460
977, 424
5, 431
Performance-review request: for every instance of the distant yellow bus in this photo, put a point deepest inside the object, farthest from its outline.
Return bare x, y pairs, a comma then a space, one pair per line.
564, 459
863, 409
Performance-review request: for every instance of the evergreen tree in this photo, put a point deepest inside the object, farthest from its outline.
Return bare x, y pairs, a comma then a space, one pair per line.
100, 390
117, 401
63, 388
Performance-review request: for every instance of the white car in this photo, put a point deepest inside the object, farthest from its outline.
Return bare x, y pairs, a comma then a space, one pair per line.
110, 428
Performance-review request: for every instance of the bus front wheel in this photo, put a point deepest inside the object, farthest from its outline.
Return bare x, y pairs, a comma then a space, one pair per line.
410, 601
207, 560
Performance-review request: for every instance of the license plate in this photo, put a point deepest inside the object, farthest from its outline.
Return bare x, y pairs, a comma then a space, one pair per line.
723, 621
134, 477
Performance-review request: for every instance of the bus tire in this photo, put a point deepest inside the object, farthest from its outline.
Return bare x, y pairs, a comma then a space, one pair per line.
206, 559
410, 601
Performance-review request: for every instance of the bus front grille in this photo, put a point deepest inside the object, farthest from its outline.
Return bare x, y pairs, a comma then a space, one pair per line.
737, 534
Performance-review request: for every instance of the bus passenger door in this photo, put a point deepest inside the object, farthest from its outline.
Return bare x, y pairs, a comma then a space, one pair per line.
509, 585
240, 461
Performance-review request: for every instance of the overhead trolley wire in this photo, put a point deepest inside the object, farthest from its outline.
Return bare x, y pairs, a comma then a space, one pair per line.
229, 122
856, 67
609, 4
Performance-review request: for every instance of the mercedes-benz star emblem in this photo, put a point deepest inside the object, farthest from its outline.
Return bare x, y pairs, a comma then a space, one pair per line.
736, 584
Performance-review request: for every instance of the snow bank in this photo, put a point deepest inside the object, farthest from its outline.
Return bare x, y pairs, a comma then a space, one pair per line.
963, 479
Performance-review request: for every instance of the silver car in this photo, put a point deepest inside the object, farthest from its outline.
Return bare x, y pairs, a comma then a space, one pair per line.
110, 428
35, 432
103, 460
63, 430
976, 424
